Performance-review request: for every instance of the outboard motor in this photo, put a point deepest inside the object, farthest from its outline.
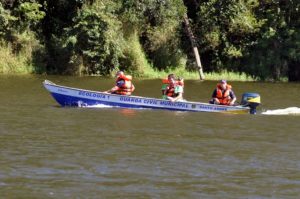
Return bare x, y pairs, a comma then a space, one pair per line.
252, 100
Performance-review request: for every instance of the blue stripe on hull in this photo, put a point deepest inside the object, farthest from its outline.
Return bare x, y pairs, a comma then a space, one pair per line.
66, 100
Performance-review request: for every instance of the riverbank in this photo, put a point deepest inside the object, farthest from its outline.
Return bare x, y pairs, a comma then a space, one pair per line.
159, 75
156, 75
182, 72
21, 64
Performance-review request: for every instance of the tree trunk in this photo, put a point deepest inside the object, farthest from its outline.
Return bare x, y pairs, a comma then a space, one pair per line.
193, 42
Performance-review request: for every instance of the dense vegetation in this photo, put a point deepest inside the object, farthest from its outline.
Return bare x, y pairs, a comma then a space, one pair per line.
259, 38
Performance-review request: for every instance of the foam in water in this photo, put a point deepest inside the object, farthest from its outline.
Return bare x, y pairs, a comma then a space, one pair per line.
84, 105
286, 111
99, 106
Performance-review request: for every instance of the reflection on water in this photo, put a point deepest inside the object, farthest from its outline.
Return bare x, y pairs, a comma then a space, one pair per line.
48, 151
128, 112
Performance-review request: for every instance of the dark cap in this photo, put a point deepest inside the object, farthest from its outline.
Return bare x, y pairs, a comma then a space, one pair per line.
223, 81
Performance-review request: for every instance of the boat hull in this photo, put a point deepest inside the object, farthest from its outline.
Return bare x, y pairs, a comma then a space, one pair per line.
67, 96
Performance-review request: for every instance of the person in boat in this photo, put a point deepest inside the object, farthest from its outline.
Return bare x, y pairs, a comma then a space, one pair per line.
173, 91
223, 94
166, 83
123, 85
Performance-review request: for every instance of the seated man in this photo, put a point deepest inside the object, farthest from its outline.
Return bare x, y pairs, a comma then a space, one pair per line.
166, 83
223, 94
123, 86
174, 91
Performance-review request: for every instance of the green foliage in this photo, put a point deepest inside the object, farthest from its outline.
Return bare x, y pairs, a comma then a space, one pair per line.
158, 24
257, 37
29, 13
146, 37
223, 29
18, 43
12, 63
52, 33
96, 37
5, 20
134, 60
274, 53
19, 17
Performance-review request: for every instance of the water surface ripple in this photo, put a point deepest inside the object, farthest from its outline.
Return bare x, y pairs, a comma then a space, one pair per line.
48, 151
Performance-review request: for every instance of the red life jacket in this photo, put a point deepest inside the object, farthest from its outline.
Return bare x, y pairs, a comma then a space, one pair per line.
126, 88
224, 97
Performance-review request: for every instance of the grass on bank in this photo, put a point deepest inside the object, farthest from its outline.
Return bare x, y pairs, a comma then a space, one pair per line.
10, 63
183, 73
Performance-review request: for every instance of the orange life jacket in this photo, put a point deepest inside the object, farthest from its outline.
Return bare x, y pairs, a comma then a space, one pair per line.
171, 90
126, 88
166, 81
224, 97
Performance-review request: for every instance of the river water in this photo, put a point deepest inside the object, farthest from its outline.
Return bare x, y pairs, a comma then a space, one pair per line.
48, 151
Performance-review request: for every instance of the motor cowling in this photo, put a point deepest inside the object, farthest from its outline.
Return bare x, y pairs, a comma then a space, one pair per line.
252, 100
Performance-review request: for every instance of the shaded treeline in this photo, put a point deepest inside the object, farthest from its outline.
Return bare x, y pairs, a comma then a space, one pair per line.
260, 38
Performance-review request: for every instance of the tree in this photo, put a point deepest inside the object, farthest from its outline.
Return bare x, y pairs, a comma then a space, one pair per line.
222, 30
158, 24
274, 53
96, 38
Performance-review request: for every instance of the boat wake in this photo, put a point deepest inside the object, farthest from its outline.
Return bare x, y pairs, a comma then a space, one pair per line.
286, 111
94, 106
99, 106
